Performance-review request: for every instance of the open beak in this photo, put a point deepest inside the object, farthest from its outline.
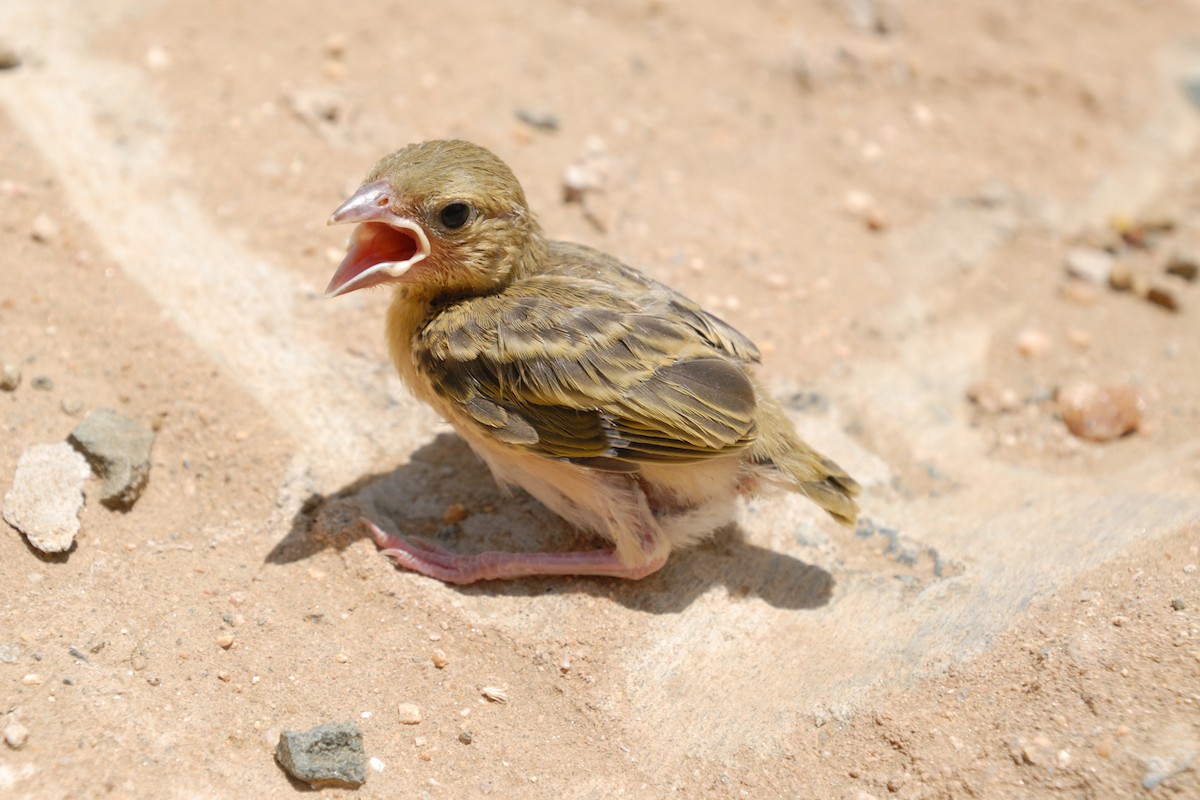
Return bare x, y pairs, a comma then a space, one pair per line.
382, 247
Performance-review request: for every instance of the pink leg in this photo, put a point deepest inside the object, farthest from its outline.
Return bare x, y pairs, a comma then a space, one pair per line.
429, 559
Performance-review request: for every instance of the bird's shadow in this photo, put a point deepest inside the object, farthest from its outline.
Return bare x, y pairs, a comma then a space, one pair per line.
443, 481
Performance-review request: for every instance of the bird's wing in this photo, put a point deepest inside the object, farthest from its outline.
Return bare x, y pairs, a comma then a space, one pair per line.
597, 371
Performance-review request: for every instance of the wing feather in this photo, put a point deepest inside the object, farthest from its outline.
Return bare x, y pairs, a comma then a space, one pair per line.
593, 362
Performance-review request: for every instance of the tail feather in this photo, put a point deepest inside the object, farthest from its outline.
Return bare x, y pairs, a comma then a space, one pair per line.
835, 498
797, 467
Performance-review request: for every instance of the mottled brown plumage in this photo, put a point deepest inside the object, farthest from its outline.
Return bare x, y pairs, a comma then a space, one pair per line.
616, 401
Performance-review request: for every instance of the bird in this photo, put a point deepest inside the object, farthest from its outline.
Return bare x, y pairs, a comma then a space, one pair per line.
617, 402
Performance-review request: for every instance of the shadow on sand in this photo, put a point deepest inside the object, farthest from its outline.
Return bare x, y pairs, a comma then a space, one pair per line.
413, 498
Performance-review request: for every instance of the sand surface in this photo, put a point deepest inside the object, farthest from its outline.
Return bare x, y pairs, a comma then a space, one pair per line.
881, 194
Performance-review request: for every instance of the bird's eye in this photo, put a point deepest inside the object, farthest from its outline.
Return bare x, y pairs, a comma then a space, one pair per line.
455, 215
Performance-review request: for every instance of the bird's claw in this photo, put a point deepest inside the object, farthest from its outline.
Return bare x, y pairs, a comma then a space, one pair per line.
434, 561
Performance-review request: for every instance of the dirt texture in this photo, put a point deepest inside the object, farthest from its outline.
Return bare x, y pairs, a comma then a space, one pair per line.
885, 195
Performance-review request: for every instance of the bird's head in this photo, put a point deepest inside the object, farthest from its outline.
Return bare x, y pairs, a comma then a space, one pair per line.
447, 217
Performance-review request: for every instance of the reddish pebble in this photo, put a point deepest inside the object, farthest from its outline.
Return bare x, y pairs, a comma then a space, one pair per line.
1100, 413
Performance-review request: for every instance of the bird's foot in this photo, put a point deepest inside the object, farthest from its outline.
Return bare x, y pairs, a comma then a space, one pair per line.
427, 558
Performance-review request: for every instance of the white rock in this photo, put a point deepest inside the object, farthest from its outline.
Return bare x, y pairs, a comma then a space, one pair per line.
1090, 264
47, 495
15, 735
43, 229
408, 713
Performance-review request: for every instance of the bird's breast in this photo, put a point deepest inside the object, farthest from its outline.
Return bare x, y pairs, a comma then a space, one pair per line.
405, 317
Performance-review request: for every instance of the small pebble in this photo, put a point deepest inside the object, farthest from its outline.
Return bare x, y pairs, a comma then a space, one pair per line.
875, 220
1079, 338
466, 737
858, 202
1135, 232
408, 713
335, 45
1033, 343
992, 398
42, 383
31, 679
536, 118
326, 110
1080, 293
71, 407
1184, 265
10, 377
1090, 264
577, 181
225, 641
1162, 297
494, 694
9, 59
1121, 277
43, 229
15, 735
1177, 604
1098, 413
1025, 752
157, 59
440, 659
588, 174
334, 70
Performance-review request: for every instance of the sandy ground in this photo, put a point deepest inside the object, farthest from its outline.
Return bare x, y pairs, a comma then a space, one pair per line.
881, 194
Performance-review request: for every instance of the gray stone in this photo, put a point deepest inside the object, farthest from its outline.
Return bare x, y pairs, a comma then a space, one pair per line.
537, 118
118, 449
47, 495
329, 755
1191, 90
